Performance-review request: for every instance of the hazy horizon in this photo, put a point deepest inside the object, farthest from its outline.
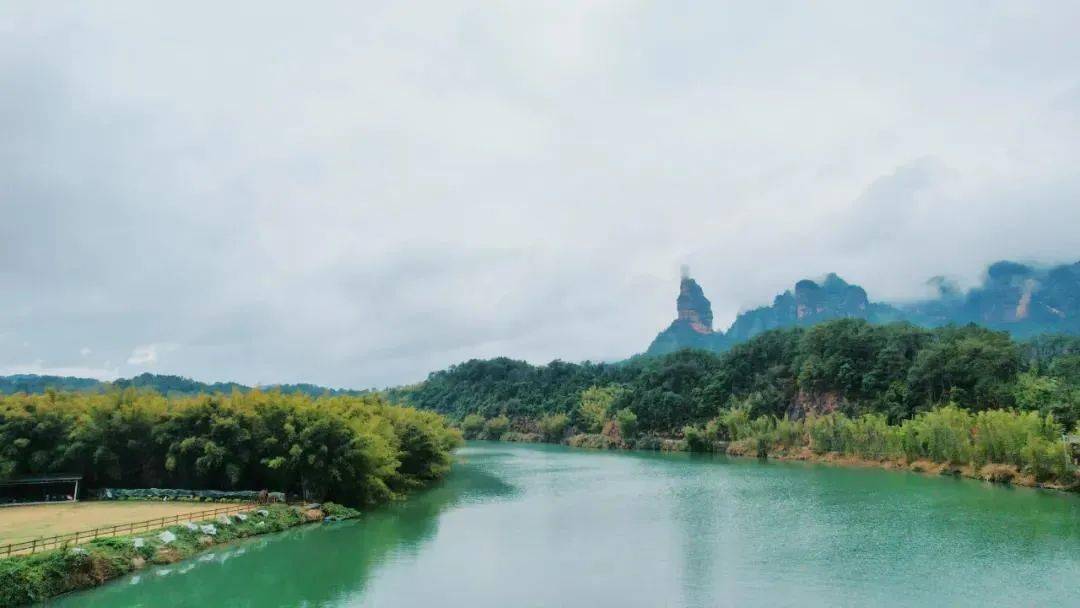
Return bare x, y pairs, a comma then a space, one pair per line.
359, 195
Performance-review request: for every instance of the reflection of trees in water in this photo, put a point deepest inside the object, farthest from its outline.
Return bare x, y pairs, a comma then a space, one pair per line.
310, 565
697, 515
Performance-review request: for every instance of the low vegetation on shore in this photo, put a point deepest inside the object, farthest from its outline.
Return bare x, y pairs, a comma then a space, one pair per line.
995, 445
34, 578
355, 450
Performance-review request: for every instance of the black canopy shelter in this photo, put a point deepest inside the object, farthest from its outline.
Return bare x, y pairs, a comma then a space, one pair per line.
28, 490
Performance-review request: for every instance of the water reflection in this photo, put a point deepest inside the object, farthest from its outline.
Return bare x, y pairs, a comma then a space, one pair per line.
320, 565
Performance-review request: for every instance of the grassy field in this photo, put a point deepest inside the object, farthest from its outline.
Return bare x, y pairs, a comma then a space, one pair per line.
33, 521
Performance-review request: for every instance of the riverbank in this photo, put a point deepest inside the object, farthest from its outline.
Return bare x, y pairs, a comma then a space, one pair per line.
1005, 446
1007, 474
34, 578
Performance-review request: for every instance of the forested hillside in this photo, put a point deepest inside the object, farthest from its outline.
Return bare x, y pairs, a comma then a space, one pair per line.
846, 365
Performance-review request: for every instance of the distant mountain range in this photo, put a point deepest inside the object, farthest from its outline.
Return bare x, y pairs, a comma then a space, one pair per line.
1021, 299
166, 385
1018, 298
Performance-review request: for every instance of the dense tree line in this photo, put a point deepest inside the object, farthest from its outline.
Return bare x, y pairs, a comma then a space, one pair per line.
163, 383
33, 383
848, 366
505, 386
352, 449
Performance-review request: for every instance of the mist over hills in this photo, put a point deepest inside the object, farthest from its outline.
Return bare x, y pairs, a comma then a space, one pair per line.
1021, 299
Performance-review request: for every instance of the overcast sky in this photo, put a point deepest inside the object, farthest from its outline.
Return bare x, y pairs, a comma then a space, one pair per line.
355, 194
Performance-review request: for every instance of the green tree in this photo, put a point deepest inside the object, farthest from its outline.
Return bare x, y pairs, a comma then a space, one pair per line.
595, 406
553, 426
472, 425
496, 427
945, 434
696, 439
737, 422
352, 449
627, 422
1046, 460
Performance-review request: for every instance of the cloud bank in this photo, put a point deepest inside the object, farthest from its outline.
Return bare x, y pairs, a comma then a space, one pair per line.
359, 193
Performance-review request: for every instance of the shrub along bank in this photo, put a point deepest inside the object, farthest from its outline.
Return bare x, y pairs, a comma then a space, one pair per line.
996, 445
34, 578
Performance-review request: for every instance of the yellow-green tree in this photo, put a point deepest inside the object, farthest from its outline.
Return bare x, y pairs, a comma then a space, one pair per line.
595, 406
471, 425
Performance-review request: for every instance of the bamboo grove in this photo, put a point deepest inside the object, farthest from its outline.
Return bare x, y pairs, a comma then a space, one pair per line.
357, 450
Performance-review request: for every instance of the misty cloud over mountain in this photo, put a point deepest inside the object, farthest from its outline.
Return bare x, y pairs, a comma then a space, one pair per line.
1020, 299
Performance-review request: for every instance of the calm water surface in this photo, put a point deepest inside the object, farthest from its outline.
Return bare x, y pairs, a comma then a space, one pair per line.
534, 525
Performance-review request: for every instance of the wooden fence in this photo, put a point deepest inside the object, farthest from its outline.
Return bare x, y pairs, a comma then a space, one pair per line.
73, 538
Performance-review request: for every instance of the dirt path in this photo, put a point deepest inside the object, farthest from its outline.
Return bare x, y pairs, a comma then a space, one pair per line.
33, 521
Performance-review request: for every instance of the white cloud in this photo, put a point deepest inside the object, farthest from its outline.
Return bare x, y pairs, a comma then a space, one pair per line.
85, 351
148, 354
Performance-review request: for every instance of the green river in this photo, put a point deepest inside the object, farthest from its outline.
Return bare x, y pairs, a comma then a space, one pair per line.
539, 525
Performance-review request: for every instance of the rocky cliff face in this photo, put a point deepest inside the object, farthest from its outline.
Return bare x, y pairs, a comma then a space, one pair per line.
1018, 298
832, 298
1015, 297
693, 308
692, 327
810, 302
